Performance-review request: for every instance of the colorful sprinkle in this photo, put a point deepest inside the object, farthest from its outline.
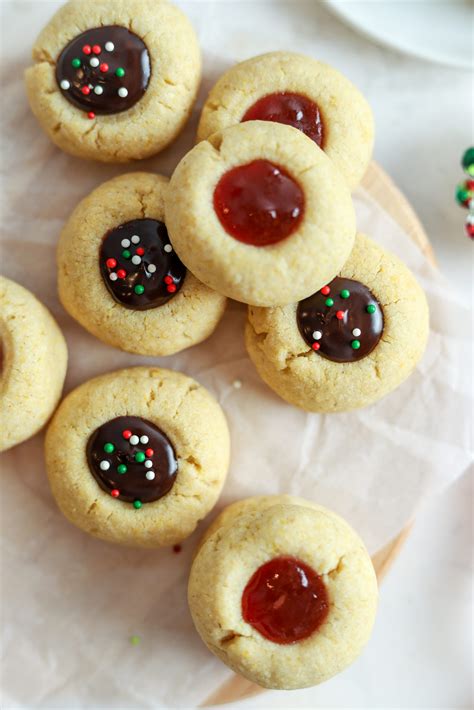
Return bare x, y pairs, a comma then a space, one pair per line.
144, 439
139, 457
76, 63
126, 433
137, 504
356, 332
122, 468
329, 302
109, 46
168, 280
317, 335
98, 90
151, 268
122, 92
104, 465
111, 263
140, 251
120, 72
325, 290
168, 248
149, 453
125, 243
136, 259
94, 62
355, 345
340, 315
315, 346
115, 492
139, 289
87, 49
121, 273
134, 440
85, 90
113, 276
104, 67
135, 239
150, 475
65, 85
148, 464
345, 293
371, 308
126, 254
171, 288
97, 49
109, 448
91, 114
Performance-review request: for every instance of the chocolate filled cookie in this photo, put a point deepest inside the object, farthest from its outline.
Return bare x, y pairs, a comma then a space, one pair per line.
114, 81
349, 343
143, 468
259, 213
120, 277
33, 361
283, 591
289, 88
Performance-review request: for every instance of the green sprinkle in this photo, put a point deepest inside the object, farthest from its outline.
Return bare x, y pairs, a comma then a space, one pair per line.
140, 457
370, 308
468, 160
122, 468
137, 504
126, 254
109, 448
135, 640
345, 293
329, 302
355, 344
76, 63
139, 289
470, 170
120, 72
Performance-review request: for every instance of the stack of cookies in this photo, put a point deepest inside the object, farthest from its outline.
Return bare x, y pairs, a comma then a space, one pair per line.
259, 211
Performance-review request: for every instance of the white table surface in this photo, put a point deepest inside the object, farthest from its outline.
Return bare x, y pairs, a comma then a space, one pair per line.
420, 654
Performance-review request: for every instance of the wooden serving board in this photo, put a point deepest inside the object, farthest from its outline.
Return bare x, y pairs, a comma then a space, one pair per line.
382, 188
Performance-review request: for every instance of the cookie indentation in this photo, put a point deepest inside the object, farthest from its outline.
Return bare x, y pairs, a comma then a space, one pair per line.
132, 459
259, 203
285, 600
343, 321
292, 109
139, 266
104, 70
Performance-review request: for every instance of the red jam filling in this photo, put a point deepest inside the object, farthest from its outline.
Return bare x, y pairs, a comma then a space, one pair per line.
259, 203
285, 600
293, 109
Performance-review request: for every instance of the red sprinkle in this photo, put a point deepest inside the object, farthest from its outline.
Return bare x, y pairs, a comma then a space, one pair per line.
168, 279
97, 49
111, 263
149, 453
315, 346
325, 290
104, 67
126, 434
121, 273
140, 251
115, 493
85, 90
171, 288
91, 114
87, 49
339, 315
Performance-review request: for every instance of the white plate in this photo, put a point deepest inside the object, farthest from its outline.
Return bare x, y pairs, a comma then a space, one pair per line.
436, 30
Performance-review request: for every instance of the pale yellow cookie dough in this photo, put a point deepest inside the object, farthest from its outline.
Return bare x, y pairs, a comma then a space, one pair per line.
186, 319
271, 275
33, 364
306, 379
250, 533
347, 117
187, 414
157, 118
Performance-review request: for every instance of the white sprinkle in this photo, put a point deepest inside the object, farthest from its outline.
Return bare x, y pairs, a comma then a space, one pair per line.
135, 239
109, 46
134, 439
150, 475
65, 84
295, 212
105, 465
317, 335
125, 243
151, 268
168, 248
122, 92
237, 384
98, 90
136, 259
94, 62
144, 439
470, 219
148, 463
356, 332
299, 115
113, 276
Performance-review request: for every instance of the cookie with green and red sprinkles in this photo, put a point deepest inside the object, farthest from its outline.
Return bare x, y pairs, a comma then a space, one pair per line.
142, 468
114, 81
120, 277
348, 344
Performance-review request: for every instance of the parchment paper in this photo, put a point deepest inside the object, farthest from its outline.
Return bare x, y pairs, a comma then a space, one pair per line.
70, 603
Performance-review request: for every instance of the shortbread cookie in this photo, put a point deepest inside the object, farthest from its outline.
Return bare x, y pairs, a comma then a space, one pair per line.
283, 591
120, 278
259, 213
114, 81
348, 344
290, 88
33, 361
138, 456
